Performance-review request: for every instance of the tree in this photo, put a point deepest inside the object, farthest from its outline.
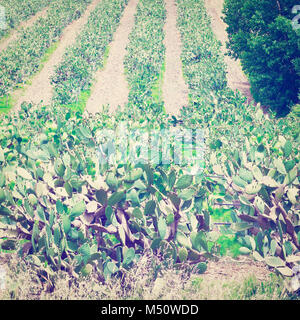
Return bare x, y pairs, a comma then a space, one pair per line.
261, 35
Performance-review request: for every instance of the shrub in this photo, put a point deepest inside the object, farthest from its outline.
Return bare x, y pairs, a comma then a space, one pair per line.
262, 37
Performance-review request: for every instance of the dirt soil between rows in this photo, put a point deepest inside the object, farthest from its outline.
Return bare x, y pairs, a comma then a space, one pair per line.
41, 89
175, 90
110, 86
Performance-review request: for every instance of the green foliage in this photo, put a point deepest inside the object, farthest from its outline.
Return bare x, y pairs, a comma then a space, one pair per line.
261, 35
79, 214
262, 181
76, 219
19, 11
203, 66
229, 245
145, 55
24, 55
73, 76
252, 163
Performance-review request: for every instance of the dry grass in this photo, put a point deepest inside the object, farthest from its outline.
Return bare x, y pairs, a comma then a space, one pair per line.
150, 279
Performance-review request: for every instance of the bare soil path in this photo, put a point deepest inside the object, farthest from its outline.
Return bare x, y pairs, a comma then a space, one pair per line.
175, 90
236, 78
236, 269
111, 87
41, 89
4, 43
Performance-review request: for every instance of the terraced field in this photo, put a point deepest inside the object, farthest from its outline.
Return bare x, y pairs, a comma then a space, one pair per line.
80, 78
61, 77
86, 72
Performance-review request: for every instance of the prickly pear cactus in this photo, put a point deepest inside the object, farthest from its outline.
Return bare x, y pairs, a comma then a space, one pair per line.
261, 179
77, 214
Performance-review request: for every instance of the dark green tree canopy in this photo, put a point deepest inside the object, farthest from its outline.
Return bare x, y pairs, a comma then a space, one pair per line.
262, 36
